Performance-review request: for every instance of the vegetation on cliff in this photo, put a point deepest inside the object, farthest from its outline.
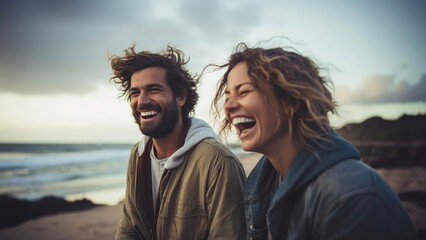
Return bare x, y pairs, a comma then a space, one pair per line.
407, 128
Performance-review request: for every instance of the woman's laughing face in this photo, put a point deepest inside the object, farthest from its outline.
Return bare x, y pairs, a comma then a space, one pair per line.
246, 108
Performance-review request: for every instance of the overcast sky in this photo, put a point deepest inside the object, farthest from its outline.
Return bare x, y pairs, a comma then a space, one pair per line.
54, 69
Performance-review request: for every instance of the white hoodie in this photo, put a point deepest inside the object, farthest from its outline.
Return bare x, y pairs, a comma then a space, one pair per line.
198, 131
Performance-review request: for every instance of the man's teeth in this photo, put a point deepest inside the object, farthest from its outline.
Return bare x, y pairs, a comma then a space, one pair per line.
150, 113
239, 120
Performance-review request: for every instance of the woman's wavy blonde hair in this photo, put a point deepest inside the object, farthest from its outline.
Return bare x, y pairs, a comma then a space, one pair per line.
297, 85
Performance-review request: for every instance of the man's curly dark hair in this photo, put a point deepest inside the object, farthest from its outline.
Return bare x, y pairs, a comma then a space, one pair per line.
172, 59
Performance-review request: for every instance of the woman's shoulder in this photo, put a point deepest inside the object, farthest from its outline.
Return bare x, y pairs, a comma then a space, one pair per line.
349, 178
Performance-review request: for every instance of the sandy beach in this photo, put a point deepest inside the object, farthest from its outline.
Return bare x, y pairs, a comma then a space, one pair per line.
96, 223
100, 222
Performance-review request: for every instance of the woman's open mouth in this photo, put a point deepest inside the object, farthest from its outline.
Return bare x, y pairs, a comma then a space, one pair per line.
243, 123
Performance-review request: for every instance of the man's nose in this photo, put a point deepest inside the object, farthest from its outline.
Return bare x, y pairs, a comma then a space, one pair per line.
143, 99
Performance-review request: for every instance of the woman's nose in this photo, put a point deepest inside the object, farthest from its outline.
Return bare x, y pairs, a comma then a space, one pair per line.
231, 104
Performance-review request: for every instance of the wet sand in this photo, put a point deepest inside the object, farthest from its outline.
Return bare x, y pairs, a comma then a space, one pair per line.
96, 223
101, 222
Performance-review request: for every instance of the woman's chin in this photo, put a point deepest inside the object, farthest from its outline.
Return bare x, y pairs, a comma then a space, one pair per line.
247, 147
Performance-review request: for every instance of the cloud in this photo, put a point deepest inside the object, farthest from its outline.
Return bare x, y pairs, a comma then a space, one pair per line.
59, 46
50, 46
219, 18
384, 89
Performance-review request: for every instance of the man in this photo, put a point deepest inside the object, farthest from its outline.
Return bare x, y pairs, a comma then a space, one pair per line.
182, 183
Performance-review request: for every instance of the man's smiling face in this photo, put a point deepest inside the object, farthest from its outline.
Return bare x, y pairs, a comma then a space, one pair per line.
153, 103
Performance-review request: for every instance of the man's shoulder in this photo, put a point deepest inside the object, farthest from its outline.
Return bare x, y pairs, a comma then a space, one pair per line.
213, 146
135, 147
212, 151
214, 154
134, 150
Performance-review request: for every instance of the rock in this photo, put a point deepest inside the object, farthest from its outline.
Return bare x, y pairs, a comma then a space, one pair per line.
14, 211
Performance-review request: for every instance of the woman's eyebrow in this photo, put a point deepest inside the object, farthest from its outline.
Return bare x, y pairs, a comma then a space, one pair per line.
239, 86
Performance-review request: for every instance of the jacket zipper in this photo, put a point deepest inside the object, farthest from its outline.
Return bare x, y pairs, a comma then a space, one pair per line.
141, 216
137, 231
159, 198
251, 218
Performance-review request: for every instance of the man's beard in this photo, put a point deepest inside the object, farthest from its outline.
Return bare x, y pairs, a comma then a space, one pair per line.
167, 124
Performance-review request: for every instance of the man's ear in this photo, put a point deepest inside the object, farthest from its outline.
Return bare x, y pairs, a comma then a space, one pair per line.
181, 98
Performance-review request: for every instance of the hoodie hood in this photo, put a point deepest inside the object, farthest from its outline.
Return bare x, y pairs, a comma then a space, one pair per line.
198, 131
307, 166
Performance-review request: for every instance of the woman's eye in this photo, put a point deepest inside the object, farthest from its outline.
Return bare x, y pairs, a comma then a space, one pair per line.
244, 92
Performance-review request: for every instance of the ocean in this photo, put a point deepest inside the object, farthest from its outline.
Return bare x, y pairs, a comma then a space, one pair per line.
96, 172
72, 171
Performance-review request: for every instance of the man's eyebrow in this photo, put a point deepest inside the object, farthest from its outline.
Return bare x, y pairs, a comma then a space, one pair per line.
133, 89
147, 86
154, 85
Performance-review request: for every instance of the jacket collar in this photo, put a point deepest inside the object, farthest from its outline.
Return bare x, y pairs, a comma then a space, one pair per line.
198, 131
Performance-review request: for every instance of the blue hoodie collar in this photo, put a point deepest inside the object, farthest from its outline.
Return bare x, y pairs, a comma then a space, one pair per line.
307, 165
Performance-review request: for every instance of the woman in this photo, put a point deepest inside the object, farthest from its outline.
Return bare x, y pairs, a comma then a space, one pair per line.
310, 183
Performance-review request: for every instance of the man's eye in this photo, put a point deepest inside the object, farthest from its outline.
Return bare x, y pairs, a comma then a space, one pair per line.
155, 90
133, 94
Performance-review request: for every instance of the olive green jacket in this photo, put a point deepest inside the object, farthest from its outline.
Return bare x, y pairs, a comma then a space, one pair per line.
200, 199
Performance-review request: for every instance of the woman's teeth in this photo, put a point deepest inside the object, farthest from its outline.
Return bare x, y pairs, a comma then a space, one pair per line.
242, 123
239, 120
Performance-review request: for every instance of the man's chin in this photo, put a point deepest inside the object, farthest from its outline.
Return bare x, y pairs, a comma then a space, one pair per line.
150, 131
